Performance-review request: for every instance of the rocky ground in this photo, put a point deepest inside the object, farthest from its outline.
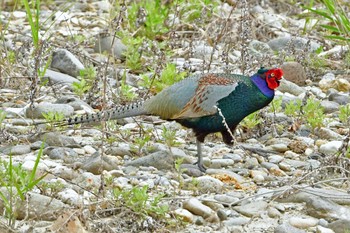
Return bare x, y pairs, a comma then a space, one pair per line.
287, 173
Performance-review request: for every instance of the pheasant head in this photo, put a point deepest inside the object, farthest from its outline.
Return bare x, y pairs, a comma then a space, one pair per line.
273, 78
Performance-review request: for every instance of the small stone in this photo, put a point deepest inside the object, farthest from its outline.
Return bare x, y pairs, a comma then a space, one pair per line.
30, 164
37, 145
303, 223
299, 43
59, 78
184, 214
235, 157
196, 207
219, 163
287, 228
208, 184
39, 207
17, 150
104, 44
251, 163
76, 103
66, 62
339, 98
328, 134
275, 159
252, 209
321, 229
258, 176
221, 213
60, 153
96, 164
330, 148
89, 149
279, 147
237, 221
69, 196
225, 199
37, 111
160, 160
269, 166
285, 166
340, 226
290, 87
272, 212
297, 146
329, 106
294, 72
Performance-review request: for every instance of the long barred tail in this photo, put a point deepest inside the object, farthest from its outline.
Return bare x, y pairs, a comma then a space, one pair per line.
134, 109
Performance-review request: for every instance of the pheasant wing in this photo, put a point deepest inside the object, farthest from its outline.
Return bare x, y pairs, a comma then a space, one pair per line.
211, 88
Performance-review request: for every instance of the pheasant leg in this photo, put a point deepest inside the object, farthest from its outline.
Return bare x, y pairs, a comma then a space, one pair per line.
200, 157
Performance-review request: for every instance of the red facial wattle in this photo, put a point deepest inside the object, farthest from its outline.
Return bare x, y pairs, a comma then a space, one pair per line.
273, 78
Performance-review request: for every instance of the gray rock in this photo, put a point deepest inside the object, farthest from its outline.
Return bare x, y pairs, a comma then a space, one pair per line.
37, 145
272, 212
183, 214
69, 196
251, 163
37, 110
160, 160
17, 150
322, 208
96, 164
104, 44
340, 226
56, 139
59, 78
329, 106
290, 87
341, 99
317, 92
287, 228
269, 166
219, 163
226, 199
235, 157
326, 133
330, 148
60, 152
279, 147
221, 213
118, 151
66, 62
303, 223
196, 207
296, 163
252, 209
76, 103
275, 159
208, 184
294, 72
238, 221
321, 229
338, 197
191, 170
298, 43
39, 207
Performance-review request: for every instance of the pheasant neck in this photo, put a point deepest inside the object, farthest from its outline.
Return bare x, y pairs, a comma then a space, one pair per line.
262, 85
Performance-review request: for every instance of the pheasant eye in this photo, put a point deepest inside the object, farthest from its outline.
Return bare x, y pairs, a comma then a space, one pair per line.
272, 75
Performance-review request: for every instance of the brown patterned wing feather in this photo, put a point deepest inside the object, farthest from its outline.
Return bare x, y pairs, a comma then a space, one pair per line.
210, 90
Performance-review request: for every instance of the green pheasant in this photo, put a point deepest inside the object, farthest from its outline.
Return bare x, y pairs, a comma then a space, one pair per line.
206, 103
